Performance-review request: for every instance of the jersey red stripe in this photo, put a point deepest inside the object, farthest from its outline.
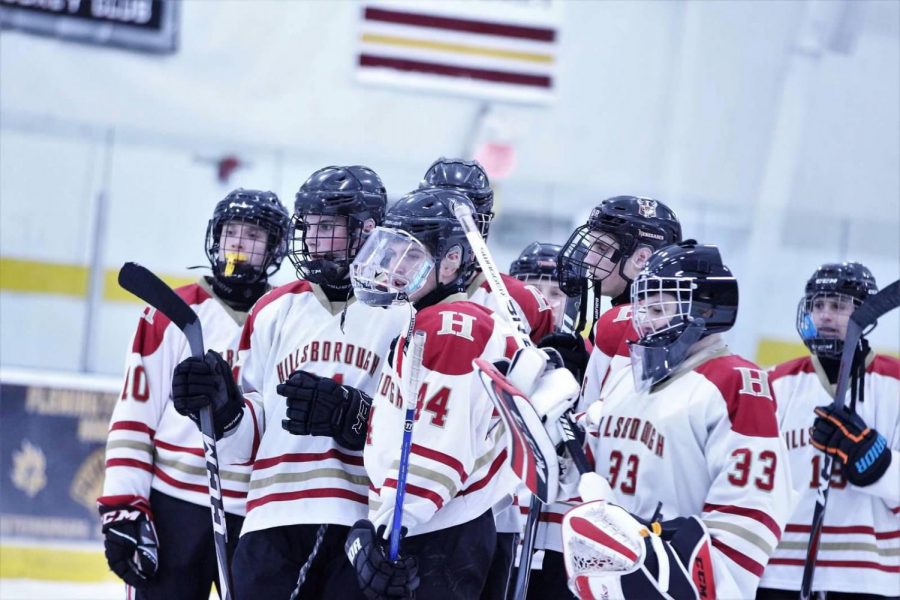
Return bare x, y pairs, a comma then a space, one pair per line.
316, 493
416, 490
739, 558
849, 529
265, 463
194, 487
129, 462
495, 466
174, 448
442, 458
750, 513
849, 564
132, 426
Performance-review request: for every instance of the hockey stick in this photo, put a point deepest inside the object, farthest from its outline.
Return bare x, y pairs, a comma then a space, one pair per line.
862, 318
417, 347
538, 358
141, 282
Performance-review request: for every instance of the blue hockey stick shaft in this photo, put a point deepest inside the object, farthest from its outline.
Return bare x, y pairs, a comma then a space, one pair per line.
416, 349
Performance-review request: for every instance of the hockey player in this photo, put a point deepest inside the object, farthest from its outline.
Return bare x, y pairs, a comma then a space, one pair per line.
469, 178
859, 551
608, 251
689, 443
304, 339
155, 502
457, 467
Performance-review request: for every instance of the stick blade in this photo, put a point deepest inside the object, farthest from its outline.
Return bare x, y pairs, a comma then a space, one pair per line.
881, 303
144, 284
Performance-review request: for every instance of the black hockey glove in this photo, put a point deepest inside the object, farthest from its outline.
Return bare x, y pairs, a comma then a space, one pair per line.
320, 406
378, 576
199, 382
130, 543
863, 451
571, 348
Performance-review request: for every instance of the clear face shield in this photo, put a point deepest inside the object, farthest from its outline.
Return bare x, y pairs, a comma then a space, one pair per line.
822, 321
661, 315
390, 267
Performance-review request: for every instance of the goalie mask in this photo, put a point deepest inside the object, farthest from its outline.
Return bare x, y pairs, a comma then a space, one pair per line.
419, 231
334, 210
469, 178
684, 294
831, 295
246, 238
615, 229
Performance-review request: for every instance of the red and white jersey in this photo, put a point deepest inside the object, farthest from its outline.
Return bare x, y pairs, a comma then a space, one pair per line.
150, 445
458, 466
859, 551
529, 302
612, 332
705, 442
307, 479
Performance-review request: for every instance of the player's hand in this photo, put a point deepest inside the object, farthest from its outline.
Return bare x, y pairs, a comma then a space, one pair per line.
572, 350
130, 543
320, 406
843, 434
200, 382
378, 576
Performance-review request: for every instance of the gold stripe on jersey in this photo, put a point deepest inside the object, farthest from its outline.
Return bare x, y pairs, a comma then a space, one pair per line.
307, 476
200, 471
744, 534
855, 546
129, 444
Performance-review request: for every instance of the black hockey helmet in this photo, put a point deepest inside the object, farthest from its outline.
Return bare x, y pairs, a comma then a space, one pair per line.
256, 207
683, 294
633, 221
848, 283
419, 230
537, 261
468, 177
355, 193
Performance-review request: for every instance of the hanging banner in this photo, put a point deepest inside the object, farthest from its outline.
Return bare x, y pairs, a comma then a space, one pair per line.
491, 49
52, 446
147, 25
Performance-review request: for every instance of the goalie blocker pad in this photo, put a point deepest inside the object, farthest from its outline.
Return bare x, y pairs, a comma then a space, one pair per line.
532, 453
609, 554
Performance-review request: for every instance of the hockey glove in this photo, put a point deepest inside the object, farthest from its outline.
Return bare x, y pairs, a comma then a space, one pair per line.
130, 543
843, 434
320, 406
611, 554
378, 576
572, 350
199, 382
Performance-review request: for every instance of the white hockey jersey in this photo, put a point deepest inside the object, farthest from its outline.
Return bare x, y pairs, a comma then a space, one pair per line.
704, 443
610, 352
458, 466
306, 479
859, 550
532, 306
150, 445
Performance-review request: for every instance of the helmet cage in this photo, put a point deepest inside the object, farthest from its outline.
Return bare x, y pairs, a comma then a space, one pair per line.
582, 258
331, 266
263, 210
661, 308
818, 343
390, 267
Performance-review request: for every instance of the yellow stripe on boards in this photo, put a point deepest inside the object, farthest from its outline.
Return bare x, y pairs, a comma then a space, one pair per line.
60, 279
771, 351
391, 40
18, 275
26, 562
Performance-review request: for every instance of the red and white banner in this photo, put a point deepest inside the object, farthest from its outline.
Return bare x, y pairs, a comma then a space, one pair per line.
490, 49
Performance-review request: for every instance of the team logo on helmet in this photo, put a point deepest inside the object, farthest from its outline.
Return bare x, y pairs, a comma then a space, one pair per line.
647, 207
